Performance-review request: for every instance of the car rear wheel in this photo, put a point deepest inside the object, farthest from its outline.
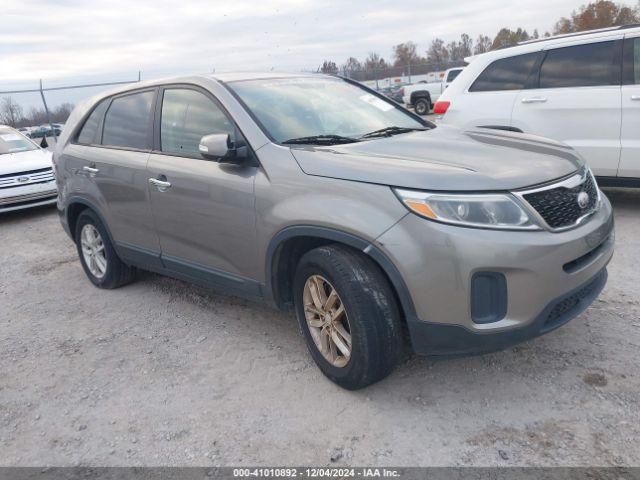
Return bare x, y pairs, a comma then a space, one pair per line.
348, 315
423, 106
97, 255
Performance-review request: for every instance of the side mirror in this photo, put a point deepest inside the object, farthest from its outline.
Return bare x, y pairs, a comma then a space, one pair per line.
219, 147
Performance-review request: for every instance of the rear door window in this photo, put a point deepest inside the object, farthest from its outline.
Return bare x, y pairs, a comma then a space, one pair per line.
512, 73
187, 116
88, 134
589, 65
127, 121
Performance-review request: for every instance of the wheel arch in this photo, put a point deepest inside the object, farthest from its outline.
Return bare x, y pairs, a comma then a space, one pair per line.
75, 206
288, 246
415, 96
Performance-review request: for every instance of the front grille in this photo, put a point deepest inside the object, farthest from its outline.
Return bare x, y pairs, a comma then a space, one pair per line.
559, 206
21, 179
30, 197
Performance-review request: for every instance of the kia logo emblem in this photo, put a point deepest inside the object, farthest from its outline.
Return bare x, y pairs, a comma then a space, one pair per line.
23, 179
583, 200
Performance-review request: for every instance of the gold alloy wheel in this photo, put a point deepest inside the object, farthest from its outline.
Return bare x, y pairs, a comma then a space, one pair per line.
327, 320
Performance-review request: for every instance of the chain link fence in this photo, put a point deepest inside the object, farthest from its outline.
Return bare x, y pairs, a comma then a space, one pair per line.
40, 110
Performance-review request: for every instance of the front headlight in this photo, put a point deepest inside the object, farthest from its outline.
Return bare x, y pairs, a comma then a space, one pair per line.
494, 210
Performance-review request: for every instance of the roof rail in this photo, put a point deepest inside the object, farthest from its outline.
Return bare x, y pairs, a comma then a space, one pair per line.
577, 34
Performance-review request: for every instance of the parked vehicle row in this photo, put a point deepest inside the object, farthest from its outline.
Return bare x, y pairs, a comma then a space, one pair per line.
582, 89
323, 196
48, 130
395, 92
422, 96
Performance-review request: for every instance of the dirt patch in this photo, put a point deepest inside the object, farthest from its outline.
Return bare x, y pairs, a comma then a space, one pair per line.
44, 269
595, 379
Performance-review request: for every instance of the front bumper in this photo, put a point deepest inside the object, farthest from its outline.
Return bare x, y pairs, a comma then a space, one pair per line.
434, 339
549, 277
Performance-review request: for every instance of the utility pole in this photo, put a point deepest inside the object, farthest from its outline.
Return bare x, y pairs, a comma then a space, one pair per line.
46, 110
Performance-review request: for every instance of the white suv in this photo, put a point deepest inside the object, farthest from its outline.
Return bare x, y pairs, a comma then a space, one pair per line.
26, 172
582, 89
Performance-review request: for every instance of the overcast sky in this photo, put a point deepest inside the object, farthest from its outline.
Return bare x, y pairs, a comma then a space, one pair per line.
69, 41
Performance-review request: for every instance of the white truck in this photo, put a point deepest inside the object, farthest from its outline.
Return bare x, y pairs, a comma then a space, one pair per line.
422, 96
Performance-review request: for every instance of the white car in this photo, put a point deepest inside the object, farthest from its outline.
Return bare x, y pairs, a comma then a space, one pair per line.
26, 172
582, 89
422, 96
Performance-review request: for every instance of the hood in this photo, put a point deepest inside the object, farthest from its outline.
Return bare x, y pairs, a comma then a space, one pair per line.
24, 161
445, 158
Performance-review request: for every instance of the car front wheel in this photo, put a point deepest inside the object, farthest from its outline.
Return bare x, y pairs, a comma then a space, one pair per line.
423, 106
348, 315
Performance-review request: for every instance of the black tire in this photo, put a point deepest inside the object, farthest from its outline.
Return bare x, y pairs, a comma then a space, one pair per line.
371, 308
422, 106
117, 272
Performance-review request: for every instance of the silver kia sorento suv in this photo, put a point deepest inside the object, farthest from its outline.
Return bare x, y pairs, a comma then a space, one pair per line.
320, 195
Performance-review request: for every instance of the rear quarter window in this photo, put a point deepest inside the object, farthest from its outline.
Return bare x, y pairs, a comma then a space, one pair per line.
589, 65
512, 73
89, 132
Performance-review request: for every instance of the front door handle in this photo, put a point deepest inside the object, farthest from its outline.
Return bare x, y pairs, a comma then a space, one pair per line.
534, 100
635, 97
161, 185
90, 171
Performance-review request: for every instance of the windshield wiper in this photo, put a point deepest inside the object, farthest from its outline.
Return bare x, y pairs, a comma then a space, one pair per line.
321, 140
388, 131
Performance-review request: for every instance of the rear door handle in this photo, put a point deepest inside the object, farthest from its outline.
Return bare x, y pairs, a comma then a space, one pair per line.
90, 171
635, 97
161, 185
534, 100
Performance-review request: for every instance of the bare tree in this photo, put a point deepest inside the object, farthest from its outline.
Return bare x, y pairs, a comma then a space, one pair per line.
61, 112
406, 54
328, 66
10, 112
483, 45
458, 51
466, 45
351, 65
507, 38
36, 116
438, 54
375, 62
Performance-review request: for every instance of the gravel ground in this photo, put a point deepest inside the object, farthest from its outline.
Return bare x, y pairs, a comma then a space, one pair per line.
164, 373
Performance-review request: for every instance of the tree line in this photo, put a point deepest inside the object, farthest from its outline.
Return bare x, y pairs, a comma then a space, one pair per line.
12, 114
441, 55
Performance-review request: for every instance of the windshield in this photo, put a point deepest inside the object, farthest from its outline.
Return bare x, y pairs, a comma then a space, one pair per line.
13, 142
291, 108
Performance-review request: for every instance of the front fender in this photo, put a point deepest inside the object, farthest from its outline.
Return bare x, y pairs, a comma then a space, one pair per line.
354, 241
